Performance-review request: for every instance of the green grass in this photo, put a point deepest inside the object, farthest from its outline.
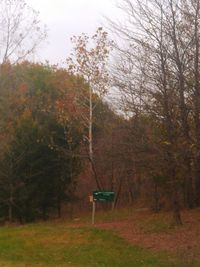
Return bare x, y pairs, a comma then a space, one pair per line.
58, 244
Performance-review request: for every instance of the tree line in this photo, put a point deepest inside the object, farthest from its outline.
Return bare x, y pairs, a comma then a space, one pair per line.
44, 145
60, 139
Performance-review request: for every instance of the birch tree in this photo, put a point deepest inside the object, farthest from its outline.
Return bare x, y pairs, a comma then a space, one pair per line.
89, 60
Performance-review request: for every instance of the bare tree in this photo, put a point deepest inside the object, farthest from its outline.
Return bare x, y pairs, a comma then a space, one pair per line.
20, 30
194, 84
156, 80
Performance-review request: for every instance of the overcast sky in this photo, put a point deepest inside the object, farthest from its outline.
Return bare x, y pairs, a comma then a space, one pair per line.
65, 18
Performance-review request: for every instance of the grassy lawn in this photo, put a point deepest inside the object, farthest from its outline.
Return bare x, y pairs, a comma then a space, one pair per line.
58, 244
76, 243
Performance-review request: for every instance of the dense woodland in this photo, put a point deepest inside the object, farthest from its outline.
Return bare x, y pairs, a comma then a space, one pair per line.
62, 137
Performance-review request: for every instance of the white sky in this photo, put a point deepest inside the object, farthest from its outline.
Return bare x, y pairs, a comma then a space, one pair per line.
65, 18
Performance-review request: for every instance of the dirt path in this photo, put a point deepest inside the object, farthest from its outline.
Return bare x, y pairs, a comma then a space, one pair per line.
181, 239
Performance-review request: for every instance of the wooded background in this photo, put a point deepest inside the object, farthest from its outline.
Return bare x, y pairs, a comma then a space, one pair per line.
122, 115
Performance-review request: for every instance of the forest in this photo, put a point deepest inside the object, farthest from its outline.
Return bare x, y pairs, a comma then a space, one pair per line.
122, 114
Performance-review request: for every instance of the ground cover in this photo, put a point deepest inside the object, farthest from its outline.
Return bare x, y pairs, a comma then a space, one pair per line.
61, 244
129, 237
